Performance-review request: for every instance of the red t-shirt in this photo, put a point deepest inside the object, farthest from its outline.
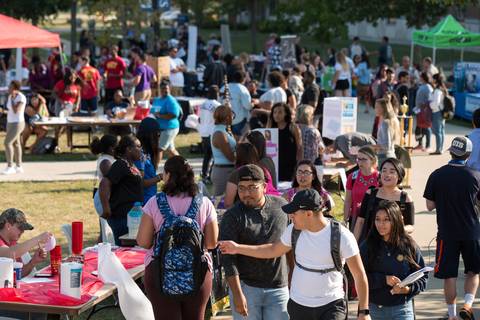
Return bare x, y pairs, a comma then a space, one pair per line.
4, 243
137, 63
70, 93
90, 75
51, 61
24, 61
114, 66
360, 187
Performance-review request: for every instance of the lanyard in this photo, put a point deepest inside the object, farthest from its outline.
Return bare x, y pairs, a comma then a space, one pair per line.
455, 161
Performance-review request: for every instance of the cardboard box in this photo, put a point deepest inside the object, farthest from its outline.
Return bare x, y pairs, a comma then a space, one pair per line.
161, 66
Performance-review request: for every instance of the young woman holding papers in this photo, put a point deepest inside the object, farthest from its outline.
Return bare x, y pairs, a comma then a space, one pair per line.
389, 255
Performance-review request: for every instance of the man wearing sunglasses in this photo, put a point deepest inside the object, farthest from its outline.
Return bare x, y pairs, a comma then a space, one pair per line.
258, 287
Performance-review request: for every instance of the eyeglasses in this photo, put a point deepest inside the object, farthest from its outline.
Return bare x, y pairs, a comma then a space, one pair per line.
250, 189
362, 159
304, 173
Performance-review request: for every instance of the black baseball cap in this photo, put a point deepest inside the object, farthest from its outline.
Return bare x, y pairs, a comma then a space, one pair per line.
251, 172
460, 146
149, 124
307, 199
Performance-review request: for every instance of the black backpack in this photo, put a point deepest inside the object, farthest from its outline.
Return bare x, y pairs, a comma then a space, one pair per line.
448, 106
334, 251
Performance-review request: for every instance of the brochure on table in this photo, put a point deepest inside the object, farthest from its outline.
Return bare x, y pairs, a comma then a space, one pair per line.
271, 137
339, 116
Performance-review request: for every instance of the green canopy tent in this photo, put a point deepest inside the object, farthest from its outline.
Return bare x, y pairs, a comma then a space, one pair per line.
447, 34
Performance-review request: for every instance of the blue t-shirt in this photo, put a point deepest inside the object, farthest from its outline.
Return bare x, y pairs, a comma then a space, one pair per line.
165, 106
147, 167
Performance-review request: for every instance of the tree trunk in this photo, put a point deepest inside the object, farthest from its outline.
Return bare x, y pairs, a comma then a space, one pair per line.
35, 51
124, 27
235, 23
253, 17
322, 48
156, 27
417, 56
73, 32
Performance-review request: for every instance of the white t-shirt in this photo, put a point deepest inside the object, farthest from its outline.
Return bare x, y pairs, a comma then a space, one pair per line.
100, 160
16, 117
274, 95
344, 75
176, 79
356, 50
205, 114
312, 289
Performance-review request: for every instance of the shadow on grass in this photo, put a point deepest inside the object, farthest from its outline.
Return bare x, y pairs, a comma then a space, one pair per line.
66, 190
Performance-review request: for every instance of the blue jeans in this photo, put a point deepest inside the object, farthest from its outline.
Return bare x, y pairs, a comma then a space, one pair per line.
119, 228
438, 129
428, 135
400, 312
263, 304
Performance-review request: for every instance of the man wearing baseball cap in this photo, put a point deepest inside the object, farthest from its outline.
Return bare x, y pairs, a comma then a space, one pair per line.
316, 293
258, 287
453, 190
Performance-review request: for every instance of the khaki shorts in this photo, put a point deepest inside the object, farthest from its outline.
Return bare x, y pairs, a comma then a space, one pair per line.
143, 95
176, 91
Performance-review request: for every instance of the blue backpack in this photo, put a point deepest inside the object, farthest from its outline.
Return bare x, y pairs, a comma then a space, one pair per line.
180, 264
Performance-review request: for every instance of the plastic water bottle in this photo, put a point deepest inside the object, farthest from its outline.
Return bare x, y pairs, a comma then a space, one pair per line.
133, 219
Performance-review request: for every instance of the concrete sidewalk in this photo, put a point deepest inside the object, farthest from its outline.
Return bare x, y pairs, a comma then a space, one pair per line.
428, 305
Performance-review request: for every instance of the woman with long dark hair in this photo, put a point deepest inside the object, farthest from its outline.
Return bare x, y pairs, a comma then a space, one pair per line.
180, 190
121, 186
306, 178
436, 104
389, 255
67, 95
392, 173
258, 140
289, 139
246, 154
148, 134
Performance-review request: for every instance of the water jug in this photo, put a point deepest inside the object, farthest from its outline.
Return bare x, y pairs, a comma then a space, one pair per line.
133, 219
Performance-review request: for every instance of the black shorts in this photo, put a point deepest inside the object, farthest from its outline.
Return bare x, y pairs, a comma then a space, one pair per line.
332, 311
342, 85
448, 255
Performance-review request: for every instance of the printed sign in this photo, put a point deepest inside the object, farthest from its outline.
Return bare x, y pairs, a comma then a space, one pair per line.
271, 137
289, 60
466, 77
339, 116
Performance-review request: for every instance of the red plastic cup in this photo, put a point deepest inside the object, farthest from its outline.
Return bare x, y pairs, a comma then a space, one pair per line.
77, 237
57, 251
55, 264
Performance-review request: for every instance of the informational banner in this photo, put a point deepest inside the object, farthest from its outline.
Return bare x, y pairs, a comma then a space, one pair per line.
467, 77
192, 48
339, 116
226, 41
182, 19
289, 59
271, 137
472, 103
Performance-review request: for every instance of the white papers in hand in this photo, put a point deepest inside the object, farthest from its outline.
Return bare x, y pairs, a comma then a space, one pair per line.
413, 277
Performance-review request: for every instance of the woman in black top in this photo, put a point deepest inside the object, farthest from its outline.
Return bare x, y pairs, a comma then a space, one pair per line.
123, 184
289, 139
392, 173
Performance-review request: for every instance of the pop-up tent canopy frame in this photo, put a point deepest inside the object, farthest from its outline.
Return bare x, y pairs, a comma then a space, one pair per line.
447, 34
18, 34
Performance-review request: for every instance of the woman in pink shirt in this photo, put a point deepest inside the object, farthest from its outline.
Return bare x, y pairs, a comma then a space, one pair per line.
363, 179
180, 189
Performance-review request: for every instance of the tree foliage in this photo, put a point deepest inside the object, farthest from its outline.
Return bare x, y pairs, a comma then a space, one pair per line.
33, 10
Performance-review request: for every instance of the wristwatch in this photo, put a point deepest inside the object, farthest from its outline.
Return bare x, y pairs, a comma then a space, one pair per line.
364, 311
160, 177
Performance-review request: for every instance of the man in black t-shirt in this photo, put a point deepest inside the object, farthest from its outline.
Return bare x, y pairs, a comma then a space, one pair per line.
310, 96
453, 190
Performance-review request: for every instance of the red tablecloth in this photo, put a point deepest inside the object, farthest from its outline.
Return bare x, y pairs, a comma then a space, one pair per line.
49, 293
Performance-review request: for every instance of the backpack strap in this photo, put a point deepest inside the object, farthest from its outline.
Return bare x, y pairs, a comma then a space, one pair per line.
403, 200
194, 206
373, 195
163, 206
335, 244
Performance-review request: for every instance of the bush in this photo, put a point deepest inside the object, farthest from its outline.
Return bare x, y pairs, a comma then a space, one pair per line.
278, 26
211, 23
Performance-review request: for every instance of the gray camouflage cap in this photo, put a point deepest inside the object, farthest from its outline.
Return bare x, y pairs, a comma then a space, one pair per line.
15, 217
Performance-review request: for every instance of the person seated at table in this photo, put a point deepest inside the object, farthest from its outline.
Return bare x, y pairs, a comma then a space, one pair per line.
180, 189
149, 134
121, 186
40, 79
113, 109
306, 178
37, 105
12, 225
246, 154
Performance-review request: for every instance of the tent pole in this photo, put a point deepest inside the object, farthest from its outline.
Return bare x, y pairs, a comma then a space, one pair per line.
18, 65
61, 58
461, 56
434, 54
411, 55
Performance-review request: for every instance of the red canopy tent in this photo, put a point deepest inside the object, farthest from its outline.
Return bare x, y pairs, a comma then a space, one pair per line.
18, 34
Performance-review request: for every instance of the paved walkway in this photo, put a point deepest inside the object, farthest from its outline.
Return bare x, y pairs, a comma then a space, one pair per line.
429, 305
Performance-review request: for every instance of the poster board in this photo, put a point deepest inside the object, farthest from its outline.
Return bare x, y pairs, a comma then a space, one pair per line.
289, 59
192, 48
467, 77
219, 298
271, 137
339, 116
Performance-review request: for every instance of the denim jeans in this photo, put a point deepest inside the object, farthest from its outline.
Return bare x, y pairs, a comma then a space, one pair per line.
400, 312
428, 135
262, 303
119, 228
438, 129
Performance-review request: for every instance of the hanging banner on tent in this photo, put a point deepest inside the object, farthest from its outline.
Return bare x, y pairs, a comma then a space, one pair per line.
192, 47
467, 77
289, 59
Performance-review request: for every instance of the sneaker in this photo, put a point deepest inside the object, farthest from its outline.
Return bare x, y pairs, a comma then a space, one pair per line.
9, 170
19, 170
466, 312
436, 153
427, 150
419, 147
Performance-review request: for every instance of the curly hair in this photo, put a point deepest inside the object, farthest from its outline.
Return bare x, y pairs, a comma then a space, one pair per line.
276, 78
182, 178
98, 146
